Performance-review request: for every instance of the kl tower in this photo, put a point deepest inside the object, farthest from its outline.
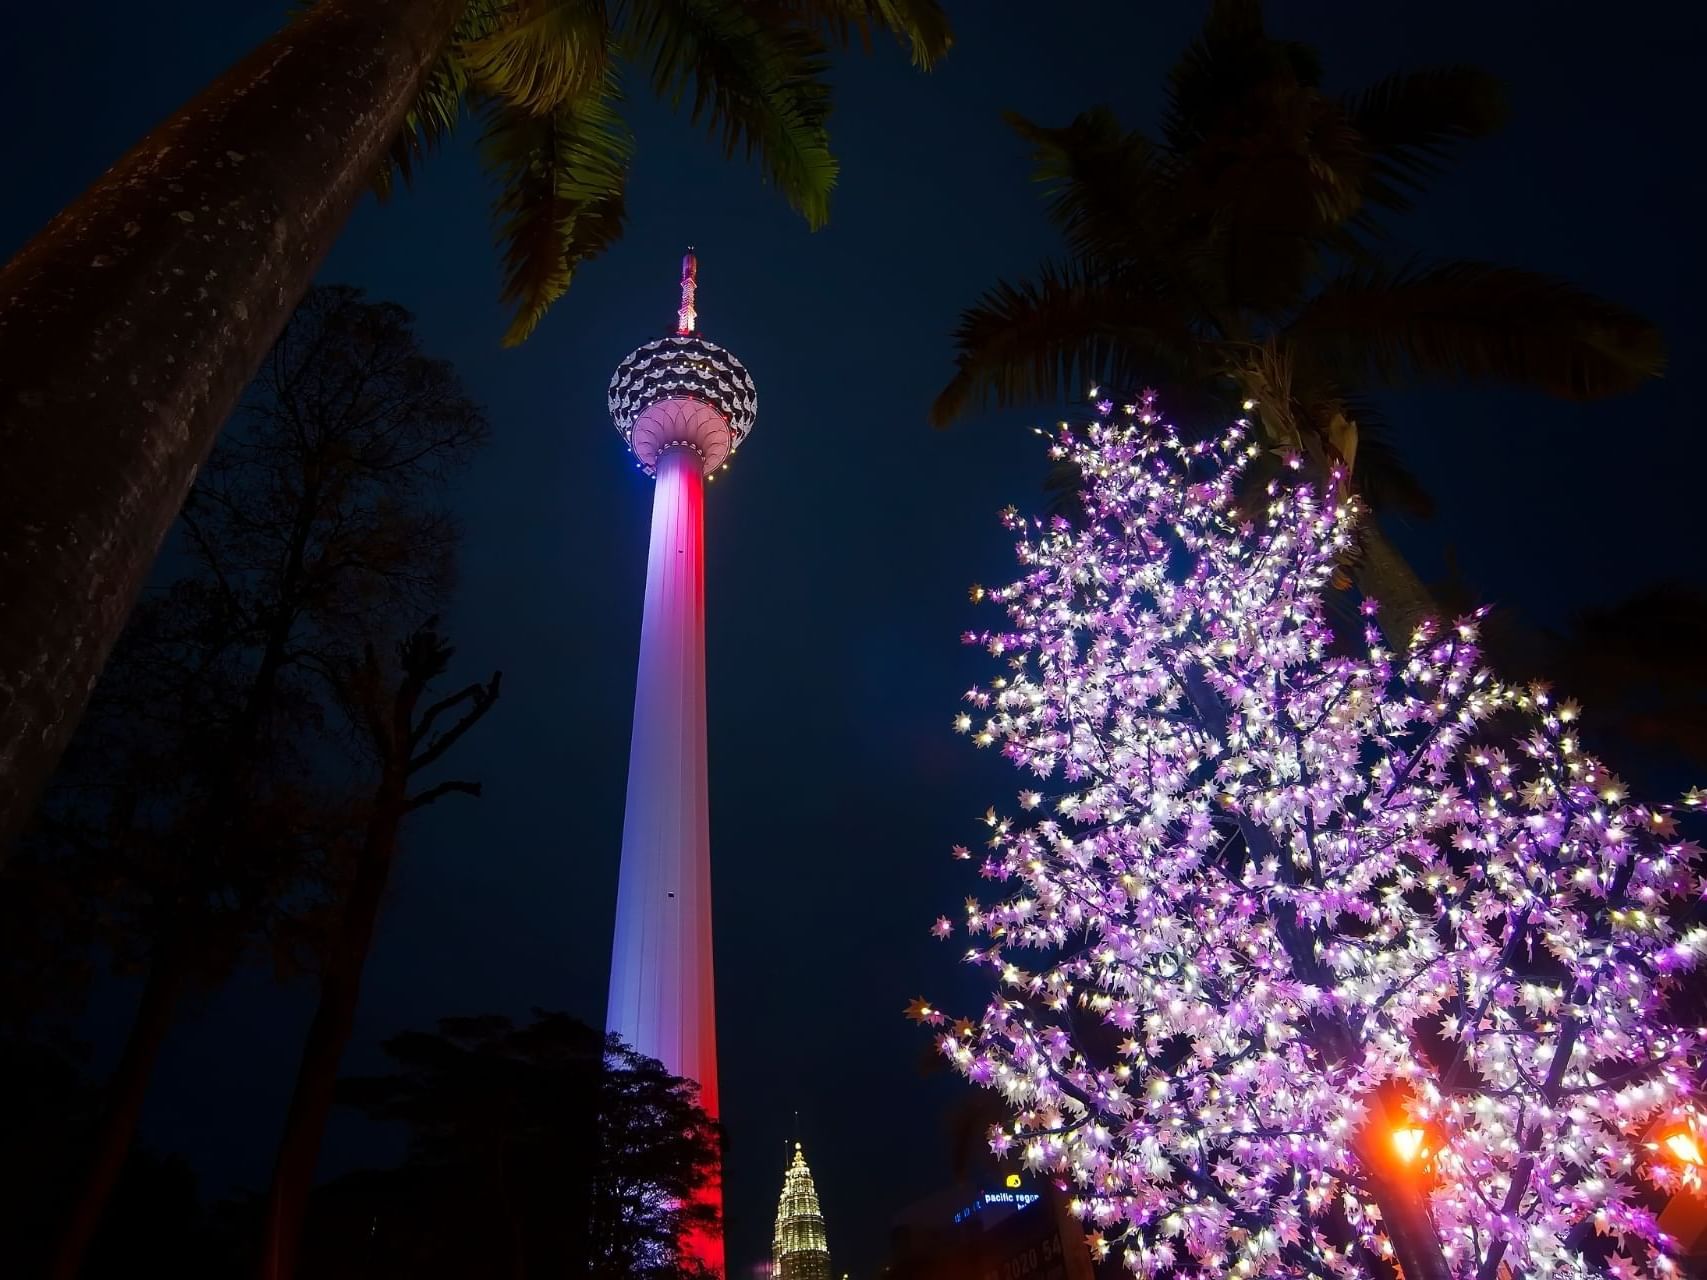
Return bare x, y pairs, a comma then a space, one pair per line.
684, 405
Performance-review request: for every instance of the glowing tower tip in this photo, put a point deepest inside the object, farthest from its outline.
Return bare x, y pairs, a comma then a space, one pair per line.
687, 317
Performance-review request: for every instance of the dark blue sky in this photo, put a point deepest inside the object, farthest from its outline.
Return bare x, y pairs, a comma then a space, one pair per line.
843, 540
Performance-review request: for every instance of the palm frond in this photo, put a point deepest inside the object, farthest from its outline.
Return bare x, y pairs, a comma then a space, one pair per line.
1639, 662
759, 86
1409, 122
1471, 321
1048, 339
562, 180
1383, 476
541, 54
1105, 186
1232, 60
439, 102
921, 25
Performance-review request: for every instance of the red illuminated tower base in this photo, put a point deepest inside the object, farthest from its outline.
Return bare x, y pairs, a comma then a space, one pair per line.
684, 405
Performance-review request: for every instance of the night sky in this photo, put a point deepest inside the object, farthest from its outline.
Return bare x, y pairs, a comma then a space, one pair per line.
842, 541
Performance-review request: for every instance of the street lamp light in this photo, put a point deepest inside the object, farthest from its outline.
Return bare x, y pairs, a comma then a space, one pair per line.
1682, 1144
1408, 1142
1684, 1149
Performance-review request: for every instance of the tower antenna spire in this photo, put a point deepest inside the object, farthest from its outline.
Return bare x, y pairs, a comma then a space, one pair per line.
688, 317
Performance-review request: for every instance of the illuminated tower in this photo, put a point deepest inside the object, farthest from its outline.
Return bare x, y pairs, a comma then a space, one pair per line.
683, 405
799, 1250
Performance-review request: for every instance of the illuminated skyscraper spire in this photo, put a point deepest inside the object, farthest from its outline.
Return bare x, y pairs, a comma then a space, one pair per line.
799, 1250
683, 405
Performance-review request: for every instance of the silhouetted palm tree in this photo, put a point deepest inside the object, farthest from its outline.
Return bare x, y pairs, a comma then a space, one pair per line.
1242, 251
130, 325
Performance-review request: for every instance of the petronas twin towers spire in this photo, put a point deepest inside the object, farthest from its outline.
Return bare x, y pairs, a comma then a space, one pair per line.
800, 1250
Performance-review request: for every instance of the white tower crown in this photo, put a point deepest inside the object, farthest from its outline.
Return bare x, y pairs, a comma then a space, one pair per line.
683, 391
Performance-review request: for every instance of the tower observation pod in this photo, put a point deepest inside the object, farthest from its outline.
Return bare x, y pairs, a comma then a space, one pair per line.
684, 405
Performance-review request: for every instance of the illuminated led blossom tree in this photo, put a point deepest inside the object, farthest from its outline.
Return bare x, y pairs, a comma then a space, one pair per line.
1308, 964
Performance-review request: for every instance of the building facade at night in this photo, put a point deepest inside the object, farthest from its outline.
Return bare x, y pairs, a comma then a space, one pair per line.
683, 405
1015, 1229
799, 1250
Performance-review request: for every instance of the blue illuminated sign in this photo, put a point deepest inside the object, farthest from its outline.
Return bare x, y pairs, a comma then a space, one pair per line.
1017, 1199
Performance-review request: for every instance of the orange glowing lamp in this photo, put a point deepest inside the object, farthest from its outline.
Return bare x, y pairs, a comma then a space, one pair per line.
1408, 1142
1685, 1148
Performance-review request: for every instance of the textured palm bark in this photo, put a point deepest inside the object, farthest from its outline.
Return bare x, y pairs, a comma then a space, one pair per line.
1403, 602
130, 325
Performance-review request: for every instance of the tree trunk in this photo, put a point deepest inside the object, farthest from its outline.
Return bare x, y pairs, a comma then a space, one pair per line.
1401, 1194
1401, 1199
512, 1220
334, 1019
126, 1091
130, 324
1402, 601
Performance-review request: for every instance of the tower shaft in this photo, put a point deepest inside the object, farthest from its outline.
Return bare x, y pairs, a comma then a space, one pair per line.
662, 998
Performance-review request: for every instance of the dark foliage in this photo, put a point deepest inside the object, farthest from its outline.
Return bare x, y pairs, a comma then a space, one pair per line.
52, 1110
1244, 252
203, 809
384, 703
534, 1150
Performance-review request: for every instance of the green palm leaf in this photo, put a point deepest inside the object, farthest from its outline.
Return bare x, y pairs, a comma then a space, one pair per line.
541, 74
562, 179
1227, 70
1050, 338
439, 102
542, 53
1470, 321
920, 24
1104, 184
1409, 122
1380, 469
759, 86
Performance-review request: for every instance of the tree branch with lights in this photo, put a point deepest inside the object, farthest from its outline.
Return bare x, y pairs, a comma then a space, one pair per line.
1311, 964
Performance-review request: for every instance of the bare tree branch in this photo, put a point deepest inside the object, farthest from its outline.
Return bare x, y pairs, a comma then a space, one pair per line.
431, 794
438, 708
483, 701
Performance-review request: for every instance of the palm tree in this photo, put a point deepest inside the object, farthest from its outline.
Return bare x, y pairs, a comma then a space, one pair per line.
130, 324
1242, 252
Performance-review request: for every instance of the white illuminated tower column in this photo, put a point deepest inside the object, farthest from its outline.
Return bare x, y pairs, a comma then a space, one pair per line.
684, 405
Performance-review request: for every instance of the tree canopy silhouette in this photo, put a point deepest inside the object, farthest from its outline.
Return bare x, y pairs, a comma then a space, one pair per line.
204, 800
534, 1150
1243, 254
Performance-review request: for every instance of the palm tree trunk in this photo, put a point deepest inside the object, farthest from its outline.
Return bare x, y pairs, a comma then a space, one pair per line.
328, 1035
126, 1091
130, 324
1403, 602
